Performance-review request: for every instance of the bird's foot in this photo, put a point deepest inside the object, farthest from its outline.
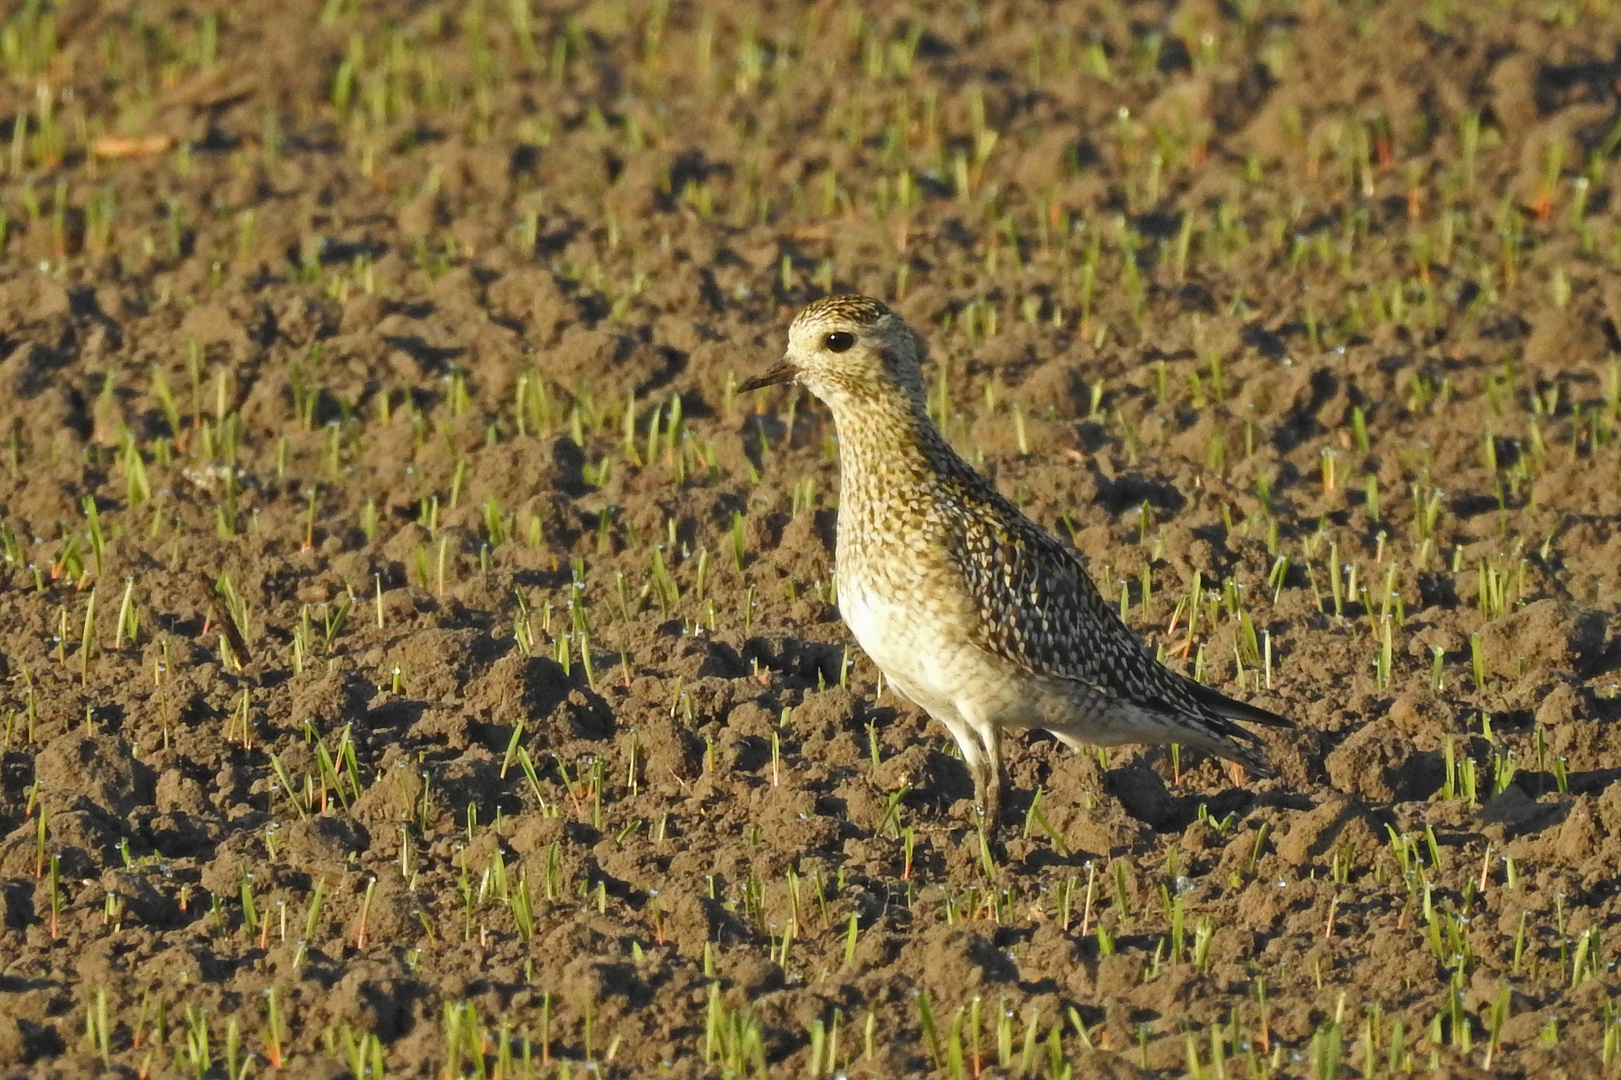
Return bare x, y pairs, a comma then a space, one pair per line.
992, 852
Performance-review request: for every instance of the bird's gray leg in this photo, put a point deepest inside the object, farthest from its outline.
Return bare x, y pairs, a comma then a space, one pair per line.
988, 779
987, 797
984, 772
991, 799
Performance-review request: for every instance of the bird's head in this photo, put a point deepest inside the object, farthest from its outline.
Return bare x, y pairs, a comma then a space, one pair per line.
850, 350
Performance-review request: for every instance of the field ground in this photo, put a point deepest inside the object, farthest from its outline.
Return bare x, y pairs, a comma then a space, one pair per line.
401, 342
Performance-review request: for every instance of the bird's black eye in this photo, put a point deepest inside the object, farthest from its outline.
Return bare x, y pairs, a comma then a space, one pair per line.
839, 341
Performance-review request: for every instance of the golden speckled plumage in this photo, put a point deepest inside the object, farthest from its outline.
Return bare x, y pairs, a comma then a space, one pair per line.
969, 608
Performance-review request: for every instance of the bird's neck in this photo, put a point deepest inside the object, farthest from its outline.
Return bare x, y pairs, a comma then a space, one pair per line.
888, 448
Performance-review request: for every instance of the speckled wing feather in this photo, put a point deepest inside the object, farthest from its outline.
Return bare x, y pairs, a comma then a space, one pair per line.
1040, 610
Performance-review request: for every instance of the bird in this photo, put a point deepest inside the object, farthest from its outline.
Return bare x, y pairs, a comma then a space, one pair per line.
971, 610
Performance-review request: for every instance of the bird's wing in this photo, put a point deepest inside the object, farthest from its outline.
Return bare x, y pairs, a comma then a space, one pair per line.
1039, 609
1222, 705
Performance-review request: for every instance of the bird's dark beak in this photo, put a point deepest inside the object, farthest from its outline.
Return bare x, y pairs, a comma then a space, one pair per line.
780, 372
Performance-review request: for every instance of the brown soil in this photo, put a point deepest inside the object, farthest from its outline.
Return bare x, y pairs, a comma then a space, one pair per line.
405, 344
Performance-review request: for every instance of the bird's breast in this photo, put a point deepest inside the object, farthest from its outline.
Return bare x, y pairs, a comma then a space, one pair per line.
889, 629
908, 612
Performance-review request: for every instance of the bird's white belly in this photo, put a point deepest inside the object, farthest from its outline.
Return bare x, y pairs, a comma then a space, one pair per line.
912, 652
934, 663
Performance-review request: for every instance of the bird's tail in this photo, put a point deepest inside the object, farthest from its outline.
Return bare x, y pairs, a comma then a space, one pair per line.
1247, 756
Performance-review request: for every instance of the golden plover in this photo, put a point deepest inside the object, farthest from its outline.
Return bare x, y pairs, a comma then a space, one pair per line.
970, 609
